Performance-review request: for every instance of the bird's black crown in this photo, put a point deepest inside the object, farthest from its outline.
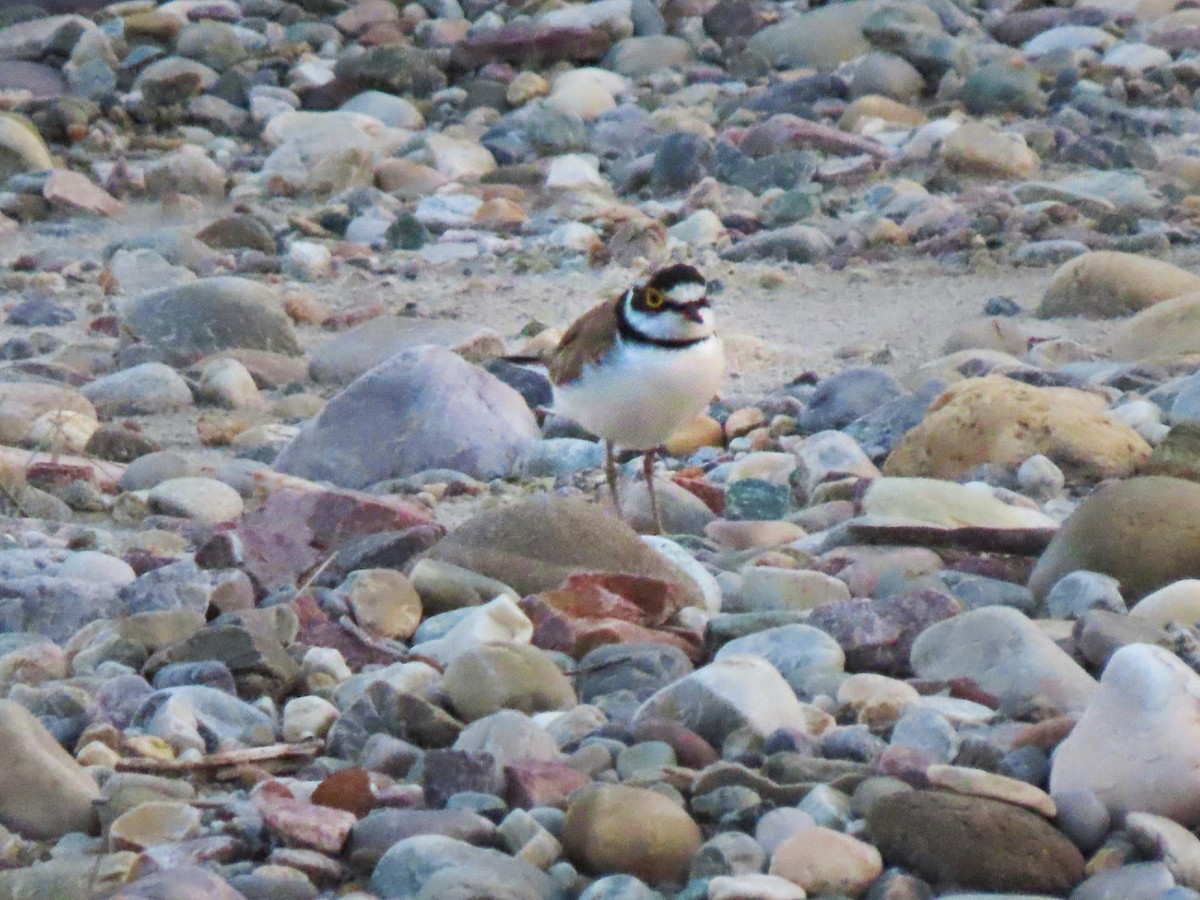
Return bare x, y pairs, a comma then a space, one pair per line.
667, 279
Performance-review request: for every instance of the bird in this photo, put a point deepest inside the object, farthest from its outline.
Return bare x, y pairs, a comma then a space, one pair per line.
634, 368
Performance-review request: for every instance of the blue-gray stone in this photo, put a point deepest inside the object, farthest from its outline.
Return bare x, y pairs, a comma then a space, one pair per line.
975, 591
424, 408
640, 669
848, 395
880, 430
433, 866
56, 607
619, 887
202, 717
795, 650
1081, 591
925, 730
1138, 881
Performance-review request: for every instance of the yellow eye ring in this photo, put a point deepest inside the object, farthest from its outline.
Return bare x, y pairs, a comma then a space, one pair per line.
654, 298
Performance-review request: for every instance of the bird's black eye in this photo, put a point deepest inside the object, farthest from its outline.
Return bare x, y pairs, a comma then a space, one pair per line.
654, 298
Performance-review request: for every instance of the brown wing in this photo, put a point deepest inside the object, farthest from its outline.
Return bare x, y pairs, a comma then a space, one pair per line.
588, 339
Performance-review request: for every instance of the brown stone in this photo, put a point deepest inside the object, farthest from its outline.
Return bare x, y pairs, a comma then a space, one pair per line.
973, 843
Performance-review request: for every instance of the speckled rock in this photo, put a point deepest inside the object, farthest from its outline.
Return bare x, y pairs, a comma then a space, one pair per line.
1000, 421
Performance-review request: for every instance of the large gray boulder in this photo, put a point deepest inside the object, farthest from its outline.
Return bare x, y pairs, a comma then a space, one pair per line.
425, 408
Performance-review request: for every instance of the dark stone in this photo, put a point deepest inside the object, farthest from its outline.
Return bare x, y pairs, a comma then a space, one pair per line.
447, 772
682, 160
395, 69
529, 383
973, 842
848, 395
386, 550
39, 312
754, 499
530, 45
639, 668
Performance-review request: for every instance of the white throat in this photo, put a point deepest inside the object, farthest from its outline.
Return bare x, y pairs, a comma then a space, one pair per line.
668, 325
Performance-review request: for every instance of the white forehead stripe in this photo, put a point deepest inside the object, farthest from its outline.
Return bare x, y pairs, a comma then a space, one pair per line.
686, 292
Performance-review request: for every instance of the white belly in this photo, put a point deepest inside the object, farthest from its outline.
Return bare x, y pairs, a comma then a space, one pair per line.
643, 393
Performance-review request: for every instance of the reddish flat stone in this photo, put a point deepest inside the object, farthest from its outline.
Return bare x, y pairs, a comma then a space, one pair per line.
76, 193
295, 530
530, 45
532, 782
349, 790
554, 629
709, 494
301, 824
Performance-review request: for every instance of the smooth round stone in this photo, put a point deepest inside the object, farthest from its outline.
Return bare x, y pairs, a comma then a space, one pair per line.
1177, 602
205, 499
636, 57
383, 601
440, 866
1138, 881
44, 793
1083, 818
1137, 746
186, 171
509, 736
634, 831
308, 718
794, 650
1076, 593
585, 92
154, 822
1006, 655
228, 383
984, 150
500, 622
1039, 477
90, 565
828, 807
1107, 284
495, 676
391, 110
823, 861
1001, 87
189, 321
751, 885
62, 431
1141, 531
144, 389
619, 887
973, 843
773, 588
887, 75
848, 395
777, 825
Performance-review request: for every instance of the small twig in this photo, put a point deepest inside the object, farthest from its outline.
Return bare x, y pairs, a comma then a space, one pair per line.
222, 759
